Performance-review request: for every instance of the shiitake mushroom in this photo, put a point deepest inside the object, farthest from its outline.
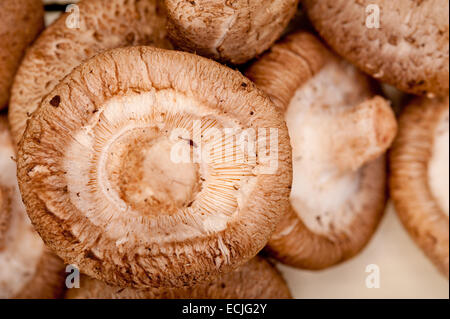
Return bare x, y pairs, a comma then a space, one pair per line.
419, 181
100, 184
257, 279
20, 23
339, 133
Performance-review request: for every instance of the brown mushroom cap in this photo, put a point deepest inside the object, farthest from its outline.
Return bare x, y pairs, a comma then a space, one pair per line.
228, 31
20, 22
97, 174
410, 50
257, 279
103, 24
418, 203
27, 268
339, 134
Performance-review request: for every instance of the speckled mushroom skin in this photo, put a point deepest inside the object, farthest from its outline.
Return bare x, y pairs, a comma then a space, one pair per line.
410, 189
257, 279
228, 31
20, 23
410, 50
104, 24
141, 250
32, 271
290, 65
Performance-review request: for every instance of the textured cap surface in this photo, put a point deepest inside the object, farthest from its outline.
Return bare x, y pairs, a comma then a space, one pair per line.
228, 31
339, 134
97, 25
20, 22
409, 50
418, 208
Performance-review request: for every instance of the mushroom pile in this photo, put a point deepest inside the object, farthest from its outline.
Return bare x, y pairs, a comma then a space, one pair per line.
183, 149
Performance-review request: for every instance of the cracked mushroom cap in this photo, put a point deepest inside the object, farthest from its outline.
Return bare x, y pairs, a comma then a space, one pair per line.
228, 31
419, 181
409, 50
110, 170
102, 25
27, 268
20, 22
339, 132
257, 279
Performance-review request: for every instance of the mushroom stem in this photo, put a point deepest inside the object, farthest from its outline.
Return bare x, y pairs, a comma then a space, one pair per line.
5, 217
362, 134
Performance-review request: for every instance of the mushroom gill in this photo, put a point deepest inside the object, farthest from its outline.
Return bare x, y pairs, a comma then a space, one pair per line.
96, 26
257, 279
339, 133
28, 268
138, 169
419, 180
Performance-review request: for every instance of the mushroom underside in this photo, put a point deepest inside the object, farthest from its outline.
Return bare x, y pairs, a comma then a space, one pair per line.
230, 31
322, 240
20, 23
88, 171
28, 269
416, 172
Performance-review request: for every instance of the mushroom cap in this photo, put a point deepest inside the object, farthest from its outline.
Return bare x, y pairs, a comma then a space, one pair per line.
20, 23
228, 31
339, 194
257, 279
296, 244
410, 50
415, 200
103, 25
103, 192
28, 268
